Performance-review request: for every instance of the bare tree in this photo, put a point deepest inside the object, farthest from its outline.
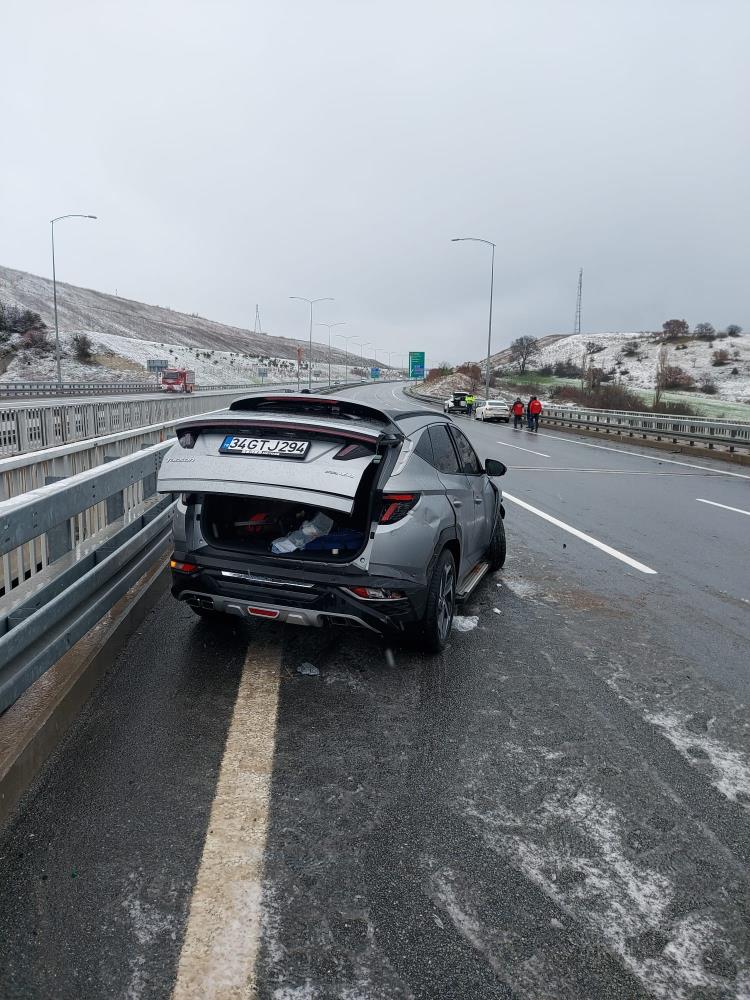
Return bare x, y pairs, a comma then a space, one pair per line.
522, 349
662, 368
733, 330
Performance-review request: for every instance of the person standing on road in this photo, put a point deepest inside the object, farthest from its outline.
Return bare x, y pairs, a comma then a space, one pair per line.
517, 411
470, 400
534, 410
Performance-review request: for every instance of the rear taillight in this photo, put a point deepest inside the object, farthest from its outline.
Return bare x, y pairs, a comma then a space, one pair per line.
183, 567
376, 593
396, 506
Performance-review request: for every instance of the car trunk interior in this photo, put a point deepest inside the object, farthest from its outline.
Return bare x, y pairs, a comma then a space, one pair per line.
288, 529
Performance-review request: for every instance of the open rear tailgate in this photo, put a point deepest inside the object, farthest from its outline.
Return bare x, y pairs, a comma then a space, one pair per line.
336, 455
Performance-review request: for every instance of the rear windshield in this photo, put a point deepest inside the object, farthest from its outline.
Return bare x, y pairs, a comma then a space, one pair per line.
496, 402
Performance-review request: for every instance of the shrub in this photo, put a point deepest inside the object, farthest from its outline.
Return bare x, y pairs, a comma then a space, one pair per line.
708, 386
677, 378
594, 347
735, 371
631, 349
733, 330
681, 347
566, 369
36, 339
82, 348
720, 357
546, 370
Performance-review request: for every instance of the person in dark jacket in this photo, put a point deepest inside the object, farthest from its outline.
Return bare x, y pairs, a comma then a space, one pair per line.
517, 411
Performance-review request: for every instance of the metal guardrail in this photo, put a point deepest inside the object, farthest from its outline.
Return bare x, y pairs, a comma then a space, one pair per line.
710, 433
63, 585
694, 430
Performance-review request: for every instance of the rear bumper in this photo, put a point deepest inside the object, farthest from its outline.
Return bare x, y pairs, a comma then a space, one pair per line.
302, 600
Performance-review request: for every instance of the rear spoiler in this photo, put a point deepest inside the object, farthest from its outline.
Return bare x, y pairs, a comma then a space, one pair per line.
317, 406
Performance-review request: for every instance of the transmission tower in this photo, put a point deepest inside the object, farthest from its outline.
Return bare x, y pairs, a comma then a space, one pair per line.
578, 302
257, 328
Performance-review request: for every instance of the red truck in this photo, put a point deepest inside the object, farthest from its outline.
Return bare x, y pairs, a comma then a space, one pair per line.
177, 380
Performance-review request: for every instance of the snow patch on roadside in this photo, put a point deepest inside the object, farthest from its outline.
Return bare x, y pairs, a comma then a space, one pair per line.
573, 847
520, 587
465, 623
731, 769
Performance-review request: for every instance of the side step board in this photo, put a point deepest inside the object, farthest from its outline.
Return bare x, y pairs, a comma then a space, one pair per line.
472, 580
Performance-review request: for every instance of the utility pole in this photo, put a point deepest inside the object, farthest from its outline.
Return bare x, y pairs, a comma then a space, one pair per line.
578, 302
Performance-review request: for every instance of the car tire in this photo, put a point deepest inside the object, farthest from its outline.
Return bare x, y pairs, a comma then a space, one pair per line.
496, 552
441, 604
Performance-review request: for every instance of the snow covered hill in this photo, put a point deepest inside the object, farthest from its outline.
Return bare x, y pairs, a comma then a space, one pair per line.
126, 333
631, 358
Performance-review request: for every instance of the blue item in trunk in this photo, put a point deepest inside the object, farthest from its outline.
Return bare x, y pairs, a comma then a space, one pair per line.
347, 539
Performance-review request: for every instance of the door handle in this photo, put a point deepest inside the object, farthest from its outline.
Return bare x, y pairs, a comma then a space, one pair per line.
457, 503
478, 500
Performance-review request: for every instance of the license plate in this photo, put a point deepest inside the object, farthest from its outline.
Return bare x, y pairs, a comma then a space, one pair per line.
265, 447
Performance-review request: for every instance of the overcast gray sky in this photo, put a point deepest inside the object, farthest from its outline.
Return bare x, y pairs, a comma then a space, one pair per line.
240, 152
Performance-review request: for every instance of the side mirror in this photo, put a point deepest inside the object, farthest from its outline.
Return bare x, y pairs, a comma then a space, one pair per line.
494, 468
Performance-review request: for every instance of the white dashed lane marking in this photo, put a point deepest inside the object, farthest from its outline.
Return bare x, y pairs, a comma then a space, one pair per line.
519, 448
641, 567
737, 510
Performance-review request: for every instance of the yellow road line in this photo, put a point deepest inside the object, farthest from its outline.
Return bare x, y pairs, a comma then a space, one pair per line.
218, 955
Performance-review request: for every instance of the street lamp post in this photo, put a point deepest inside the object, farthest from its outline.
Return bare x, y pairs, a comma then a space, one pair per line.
330, 327
475, 239
346, 365
311, 303
59, 218
362, 346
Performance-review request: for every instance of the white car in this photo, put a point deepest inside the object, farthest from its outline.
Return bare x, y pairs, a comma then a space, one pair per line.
493, 409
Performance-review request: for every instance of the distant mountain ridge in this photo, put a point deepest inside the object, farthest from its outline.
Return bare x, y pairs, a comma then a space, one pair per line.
84, 309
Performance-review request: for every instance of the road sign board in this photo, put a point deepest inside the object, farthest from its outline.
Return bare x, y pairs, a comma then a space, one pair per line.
374, 373
416, 364
262, 372
156, 364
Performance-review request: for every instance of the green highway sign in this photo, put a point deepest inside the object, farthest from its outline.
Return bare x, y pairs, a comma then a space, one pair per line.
416, 364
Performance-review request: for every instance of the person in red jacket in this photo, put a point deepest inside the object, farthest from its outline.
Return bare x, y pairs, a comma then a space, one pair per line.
534, 409
517, 411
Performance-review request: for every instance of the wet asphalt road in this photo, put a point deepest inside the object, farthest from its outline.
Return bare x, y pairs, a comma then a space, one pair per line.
558, 807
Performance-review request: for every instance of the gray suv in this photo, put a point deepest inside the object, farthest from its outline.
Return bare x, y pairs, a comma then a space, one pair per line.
330, 512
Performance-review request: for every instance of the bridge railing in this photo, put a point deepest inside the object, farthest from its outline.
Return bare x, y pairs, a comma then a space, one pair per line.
28, 426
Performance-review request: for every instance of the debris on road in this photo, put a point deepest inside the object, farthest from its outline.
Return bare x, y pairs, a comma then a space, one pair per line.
308, 669
465, 623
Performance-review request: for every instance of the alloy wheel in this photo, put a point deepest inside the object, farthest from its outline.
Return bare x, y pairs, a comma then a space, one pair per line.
445, 601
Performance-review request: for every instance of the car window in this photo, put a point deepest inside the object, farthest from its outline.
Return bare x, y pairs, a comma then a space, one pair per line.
471, 464
424, 448
445, 458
